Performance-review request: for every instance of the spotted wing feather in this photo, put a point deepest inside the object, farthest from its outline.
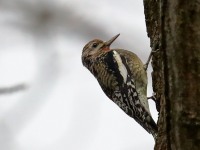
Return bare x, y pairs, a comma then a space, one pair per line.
123, 93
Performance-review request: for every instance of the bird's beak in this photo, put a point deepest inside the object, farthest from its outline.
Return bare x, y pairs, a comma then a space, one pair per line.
109, 42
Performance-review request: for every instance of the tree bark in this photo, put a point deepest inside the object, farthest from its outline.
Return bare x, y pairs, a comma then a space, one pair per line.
174, 28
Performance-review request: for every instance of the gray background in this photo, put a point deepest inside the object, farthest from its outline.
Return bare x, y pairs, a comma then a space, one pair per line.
62, 106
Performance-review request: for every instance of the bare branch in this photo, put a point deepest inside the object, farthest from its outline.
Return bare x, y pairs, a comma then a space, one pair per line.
12, 89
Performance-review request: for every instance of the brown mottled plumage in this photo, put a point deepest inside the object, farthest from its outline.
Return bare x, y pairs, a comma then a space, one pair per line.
123, 79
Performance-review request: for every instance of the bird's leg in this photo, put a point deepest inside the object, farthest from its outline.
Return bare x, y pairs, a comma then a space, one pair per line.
154, 50
152, 97
157, 102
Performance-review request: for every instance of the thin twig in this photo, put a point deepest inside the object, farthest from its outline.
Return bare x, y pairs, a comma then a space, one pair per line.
15, 88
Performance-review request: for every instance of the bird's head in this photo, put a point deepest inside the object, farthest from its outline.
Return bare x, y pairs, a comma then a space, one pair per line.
96, 47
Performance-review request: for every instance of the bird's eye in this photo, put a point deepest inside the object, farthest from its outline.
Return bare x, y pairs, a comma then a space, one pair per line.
94, 45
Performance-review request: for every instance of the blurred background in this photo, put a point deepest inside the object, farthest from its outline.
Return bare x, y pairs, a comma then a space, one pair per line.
48, 100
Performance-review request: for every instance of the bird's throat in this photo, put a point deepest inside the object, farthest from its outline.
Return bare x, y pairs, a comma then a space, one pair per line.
106, 48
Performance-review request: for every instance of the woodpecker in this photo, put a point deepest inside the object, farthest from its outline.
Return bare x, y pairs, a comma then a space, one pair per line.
123, 78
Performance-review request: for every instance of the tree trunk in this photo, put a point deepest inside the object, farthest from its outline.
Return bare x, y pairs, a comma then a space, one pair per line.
174, 28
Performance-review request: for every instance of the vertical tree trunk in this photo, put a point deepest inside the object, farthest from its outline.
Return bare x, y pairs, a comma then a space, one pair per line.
174, 25
153, 22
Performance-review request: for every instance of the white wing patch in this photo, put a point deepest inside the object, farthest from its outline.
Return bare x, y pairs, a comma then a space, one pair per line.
121, 66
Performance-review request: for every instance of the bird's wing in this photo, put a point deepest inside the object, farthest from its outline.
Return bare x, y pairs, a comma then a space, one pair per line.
130, 95
138, 74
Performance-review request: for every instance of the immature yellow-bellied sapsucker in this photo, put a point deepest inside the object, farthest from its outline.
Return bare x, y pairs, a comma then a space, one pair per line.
123, 78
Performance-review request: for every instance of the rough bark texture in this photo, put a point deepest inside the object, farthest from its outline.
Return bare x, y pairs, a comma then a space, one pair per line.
153, 23
181, 45
175, 26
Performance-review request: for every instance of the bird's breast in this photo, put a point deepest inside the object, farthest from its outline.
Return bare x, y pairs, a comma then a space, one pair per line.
110, 71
